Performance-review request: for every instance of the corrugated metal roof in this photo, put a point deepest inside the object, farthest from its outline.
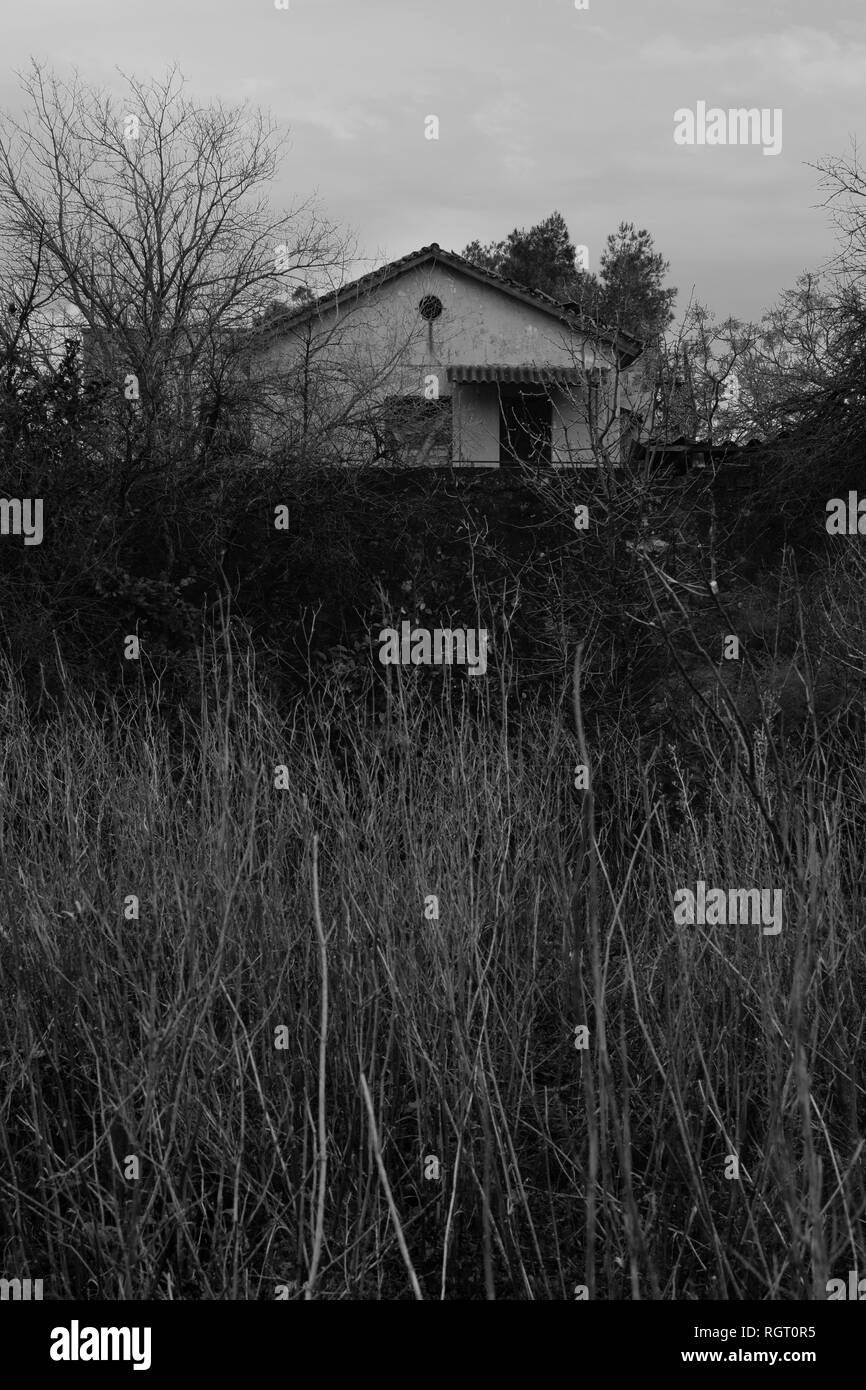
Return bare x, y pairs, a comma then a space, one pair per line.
540, 376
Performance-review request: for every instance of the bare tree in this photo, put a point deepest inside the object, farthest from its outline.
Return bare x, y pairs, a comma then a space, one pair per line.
149, 215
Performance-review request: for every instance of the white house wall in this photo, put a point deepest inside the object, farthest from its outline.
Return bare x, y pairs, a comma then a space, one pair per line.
476, 425
381, 346
570, 432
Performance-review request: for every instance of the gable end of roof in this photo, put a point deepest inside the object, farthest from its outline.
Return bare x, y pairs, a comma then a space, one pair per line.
628, 346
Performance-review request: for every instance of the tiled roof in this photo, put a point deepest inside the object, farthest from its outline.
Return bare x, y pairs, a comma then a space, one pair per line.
628, 345
495, 372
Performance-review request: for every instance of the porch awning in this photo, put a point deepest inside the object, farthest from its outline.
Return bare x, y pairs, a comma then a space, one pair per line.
520, 376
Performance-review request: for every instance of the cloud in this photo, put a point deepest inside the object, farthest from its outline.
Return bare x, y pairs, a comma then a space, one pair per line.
340, 119
816, 60
808, 59
505, 117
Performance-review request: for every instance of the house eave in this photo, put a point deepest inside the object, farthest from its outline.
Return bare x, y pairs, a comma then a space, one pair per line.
530, 374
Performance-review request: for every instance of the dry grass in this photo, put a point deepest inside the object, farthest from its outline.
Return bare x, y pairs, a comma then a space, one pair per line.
310, 1165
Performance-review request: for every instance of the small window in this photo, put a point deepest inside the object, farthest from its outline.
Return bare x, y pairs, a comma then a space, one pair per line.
410, 429
430, 307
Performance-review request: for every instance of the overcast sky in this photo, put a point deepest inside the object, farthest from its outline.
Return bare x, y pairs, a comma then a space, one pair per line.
540, 107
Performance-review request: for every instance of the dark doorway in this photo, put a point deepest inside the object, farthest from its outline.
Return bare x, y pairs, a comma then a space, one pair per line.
524, 426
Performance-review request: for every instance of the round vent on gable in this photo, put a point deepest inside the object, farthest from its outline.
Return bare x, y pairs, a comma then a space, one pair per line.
430, 307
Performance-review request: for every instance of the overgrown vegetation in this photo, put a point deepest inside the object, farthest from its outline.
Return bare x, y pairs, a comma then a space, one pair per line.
304, 909
246, 1054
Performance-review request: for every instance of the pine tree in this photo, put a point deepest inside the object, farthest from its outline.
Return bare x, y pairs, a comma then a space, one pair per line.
627, 293
631, 274
542, 258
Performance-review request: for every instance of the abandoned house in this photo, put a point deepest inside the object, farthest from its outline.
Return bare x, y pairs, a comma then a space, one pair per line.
433, 361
